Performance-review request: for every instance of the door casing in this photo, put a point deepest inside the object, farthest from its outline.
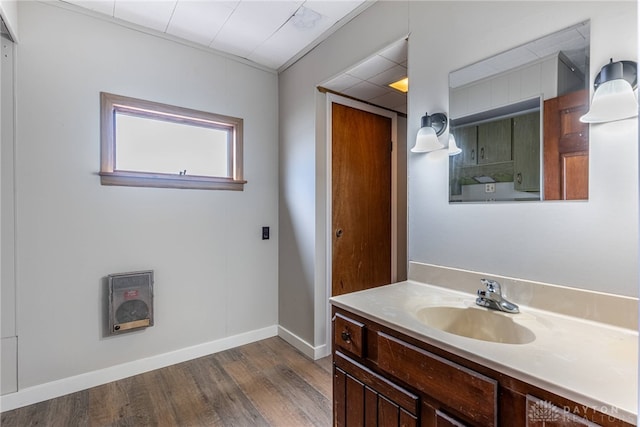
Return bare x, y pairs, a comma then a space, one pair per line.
331, 99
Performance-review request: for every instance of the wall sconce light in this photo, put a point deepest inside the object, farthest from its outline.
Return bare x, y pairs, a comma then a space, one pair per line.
613, 98
432, 127
453, 147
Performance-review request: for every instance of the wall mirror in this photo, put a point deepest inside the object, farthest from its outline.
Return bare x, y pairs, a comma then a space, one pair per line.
515, 118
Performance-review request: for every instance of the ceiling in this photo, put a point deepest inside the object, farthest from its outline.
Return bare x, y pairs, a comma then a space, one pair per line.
369, 80
573, 42
275, 34
270, 33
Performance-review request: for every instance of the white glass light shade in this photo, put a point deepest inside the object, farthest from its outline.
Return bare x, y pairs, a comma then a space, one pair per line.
453, 148
426, 141
613, 100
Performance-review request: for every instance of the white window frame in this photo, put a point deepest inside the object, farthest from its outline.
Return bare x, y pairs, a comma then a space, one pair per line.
110, 104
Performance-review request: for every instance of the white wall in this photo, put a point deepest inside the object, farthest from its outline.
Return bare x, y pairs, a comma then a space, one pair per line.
590, 245
214, 276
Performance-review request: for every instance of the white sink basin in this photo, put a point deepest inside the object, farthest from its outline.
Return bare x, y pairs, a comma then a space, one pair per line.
476, 323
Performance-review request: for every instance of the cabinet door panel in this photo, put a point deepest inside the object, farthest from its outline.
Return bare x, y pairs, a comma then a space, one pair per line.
494, 142
339, 397
364, 398
370, 407
381, 385
355, 402
467, 140
407, 420
388, 412
526, 152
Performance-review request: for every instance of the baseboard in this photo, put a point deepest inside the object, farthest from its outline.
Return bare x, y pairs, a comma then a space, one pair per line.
307, 349
42, 392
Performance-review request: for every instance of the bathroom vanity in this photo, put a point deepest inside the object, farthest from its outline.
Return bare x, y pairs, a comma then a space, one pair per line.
412, 354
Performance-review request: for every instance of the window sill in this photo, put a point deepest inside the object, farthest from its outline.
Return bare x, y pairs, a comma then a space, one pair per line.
138, 179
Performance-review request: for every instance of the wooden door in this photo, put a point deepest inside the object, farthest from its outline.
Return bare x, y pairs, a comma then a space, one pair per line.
566, 147
361, 199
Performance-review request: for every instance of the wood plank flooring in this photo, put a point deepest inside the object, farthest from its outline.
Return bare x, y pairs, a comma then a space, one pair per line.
266, 383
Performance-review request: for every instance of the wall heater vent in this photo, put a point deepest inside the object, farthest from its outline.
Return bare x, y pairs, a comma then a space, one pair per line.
130, 301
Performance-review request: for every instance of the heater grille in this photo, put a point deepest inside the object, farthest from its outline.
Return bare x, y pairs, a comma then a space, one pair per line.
130, 301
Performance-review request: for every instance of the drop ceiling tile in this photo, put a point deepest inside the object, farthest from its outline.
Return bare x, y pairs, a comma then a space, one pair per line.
391, 75
342, 82
371, 67
101, 6
287, 42
470, 73
365, 91
199, 21
391, 99
256, 28
396, 52
252, 23
154, 14
572, 41
335, 10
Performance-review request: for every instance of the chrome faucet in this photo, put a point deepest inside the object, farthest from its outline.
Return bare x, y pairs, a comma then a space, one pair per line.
491, 297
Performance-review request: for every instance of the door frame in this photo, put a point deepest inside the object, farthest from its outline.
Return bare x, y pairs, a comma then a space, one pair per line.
337, 99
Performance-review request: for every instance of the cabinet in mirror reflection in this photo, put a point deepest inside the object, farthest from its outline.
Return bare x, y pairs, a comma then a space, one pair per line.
516, 118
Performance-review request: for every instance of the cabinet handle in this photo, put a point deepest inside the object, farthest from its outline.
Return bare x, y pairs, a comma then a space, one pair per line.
346, 337
519, 178
482, 153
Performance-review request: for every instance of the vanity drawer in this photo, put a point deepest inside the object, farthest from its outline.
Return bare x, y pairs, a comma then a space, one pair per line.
349, 334
471, 394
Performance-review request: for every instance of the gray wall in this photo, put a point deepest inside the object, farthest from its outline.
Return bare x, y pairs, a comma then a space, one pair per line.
589, 245
302, 267
214, 276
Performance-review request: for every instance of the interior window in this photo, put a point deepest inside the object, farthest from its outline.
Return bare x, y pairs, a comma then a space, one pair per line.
148, 144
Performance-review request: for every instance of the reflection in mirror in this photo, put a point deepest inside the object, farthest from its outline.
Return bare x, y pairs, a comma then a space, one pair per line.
515, 117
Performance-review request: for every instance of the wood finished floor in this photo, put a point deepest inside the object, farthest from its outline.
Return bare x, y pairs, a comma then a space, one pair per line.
266, 383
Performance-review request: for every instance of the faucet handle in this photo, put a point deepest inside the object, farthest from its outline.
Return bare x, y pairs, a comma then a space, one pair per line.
492, 286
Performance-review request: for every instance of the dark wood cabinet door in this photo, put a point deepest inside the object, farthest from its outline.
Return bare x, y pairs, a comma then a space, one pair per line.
364, 398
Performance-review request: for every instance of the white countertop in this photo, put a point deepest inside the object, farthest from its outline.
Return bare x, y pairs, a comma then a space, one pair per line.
591, 363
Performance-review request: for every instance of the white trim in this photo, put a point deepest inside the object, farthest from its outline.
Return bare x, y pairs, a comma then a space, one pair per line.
304, 347
87, 380
331, 99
